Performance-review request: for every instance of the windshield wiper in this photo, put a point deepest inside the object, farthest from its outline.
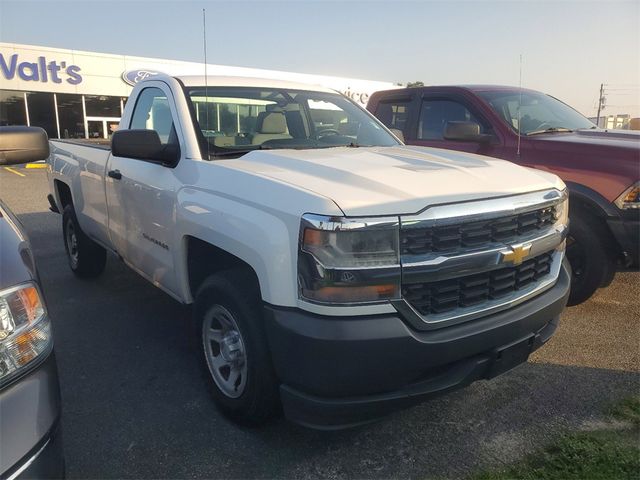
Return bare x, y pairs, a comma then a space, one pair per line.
550, 130
231, 153
347, 145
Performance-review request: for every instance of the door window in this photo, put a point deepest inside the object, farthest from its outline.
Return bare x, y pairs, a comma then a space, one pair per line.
152, 112
435, 114
394, 114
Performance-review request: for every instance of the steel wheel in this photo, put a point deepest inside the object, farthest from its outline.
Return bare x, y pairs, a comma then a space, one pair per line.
72, 244
225, 351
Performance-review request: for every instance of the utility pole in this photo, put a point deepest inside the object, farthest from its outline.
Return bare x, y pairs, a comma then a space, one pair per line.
600, 104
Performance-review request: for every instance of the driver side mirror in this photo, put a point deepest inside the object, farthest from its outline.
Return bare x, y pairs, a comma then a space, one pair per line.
144, 145
20, 144
465, 132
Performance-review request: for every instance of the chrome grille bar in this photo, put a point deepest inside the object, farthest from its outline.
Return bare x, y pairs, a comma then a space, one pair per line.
470, 279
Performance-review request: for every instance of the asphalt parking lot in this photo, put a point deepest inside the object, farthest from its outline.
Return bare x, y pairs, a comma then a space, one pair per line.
135, 404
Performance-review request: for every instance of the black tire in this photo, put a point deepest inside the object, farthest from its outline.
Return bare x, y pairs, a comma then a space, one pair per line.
589, 253
237, 292
86, 258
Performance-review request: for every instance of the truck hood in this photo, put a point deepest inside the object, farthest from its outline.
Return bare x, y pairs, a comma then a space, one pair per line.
394, 180
607, 161
619, 139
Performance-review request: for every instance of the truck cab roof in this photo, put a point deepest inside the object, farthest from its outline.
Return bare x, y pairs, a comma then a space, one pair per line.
452, 88
227, 81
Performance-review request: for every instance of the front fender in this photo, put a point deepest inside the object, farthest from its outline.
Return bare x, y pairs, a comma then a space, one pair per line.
600, 205
266, 240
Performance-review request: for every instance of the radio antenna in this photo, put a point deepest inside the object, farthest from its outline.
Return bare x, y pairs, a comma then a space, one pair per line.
206, 80
519, 104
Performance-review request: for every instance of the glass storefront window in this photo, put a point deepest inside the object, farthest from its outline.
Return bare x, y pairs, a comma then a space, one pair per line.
96, 128
102, 113
42, 112
102, 106
70, 115
12, 111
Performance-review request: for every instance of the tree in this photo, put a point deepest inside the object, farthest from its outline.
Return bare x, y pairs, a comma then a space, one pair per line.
415, 84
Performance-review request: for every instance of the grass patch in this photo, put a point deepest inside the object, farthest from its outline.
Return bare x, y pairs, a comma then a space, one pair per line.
628, 410
605, 454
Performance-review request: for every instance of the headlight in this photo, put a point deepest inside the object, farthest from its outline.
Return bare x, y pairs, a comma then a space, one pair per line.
349, 261
630, 198
25, 331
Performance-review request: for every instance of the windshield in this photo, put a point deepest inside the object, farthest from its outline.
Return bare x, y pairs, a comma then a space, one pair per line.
538, 112
235, 120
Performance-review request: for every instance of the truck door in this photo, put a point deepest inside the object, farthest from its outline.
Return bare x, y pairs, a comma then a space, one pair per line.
434, 113
141, 194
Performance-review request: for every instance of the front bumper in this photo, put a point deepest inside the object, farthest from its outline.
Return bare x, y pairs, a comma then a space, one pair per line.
626, 230
30, 439
338, 372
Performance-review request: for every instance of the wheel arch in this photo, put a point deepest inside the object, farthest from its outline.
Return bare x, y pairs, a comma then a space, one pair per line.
588, 199
63, 194
203, 258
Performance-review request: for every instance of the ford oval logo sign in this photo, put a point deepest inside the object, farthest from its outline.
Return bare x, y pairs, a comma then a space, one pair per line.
134, 76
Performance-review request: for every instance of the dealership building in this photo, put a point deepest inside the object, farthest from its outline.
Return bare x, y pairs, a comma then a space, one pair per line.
78, 94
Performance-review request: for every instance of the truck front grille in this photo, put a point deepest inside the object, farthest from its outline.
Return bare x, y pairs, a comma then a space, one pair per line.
434, 298
448, 238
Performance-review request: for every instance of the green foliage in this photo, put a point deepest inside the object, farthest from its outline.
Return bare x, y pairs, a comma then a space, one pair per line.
628, 410
604, 454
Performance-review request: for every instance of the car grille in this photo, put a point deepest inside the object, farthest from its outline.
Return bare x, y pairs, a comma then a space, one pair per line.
421, 241
433, 298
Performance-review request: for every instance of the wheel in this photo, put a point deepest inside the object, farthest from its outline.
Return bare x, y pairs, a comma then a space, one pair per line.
228, 318
86, 258
589, 254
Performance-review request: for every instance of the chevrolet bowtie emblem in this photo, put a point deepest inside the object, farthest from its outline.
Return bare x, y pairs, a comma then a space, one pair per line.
517, 254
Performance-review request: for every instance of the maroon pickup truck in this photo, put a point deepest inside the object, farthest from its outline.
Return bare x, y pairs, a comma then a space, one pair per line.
601, 168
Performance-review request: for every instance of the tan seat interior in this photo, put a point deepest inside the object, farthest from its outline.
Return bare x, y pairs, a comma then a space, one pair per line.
224, 141
270, 126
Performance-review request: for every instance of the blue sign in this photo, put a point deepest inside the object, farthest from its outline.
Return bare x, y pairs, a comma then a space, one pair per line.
134, 76
40, 71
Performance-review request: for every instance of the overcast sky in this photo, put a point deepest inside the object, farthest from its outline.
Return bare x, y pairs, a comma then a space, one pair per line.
568, 48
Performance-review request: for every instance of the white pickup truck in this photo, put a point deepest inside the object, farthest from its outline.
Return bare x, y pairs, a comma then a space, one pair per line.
333, 271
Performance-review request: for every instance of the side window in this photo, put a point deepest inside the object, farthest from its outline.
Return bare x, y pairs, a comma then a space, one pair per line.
394, 114
152, 112
435, 114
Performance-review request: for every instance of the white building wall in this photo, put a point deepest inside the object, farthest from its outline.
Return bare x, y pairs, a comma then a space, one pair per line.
27, 68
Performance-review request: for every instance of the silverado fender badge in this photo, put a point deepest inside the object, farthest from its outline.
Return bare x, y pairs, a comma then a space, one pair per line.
153, 240
516, 254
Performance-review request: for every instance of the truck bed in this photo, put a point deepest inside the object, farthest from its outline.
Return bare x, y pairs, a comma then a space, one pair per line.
102, 143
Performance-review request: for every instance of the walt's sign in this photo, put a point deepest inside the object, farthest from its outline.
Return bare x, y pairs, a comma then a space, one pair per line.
42, 70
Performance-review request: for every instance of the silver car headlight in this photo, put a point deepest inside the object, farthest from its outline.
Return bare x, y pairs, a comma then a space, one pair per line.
349, 260
25, 330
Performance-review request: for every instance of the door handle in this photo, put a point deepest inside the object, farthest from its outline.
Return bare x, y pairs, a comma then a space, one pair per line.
115, 174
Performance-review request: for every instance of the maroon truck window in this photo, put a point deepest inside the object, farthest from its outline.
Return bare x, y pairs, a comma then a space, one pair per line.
394, 114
